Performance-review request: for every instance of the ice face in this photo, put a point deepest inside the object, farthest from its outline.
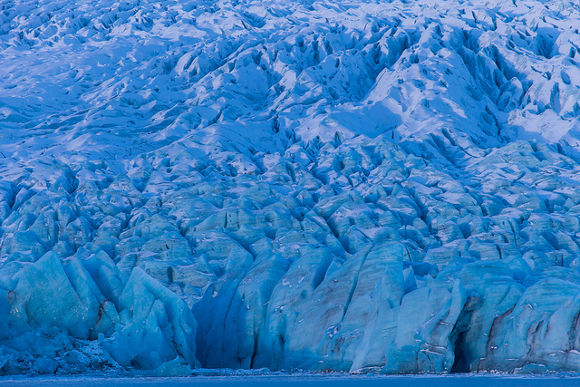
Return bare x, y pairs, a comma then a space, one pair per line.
318, 186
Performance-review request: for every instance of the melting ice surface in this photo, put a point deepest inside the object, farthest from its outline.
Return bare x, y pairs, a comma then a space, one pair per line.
319, 185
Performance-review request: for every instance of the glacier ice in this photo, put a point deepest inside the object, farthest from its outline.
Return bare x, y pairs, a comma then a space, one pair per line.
322, 185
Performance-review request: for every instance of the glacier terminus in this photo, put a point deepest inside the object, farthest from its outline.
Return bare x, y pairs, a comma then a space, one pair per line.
315, 185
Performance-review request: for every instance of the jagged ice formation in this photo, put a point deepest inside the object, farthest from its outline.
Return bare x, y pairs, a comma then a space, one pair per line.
317, 185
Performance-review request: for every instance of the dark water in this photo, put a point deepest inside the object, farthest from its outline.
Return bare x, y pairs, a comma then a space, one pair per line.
304, 381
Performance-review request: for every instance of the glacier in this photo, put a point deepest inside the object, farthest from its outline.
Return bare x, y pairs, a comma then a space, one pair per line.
357, 186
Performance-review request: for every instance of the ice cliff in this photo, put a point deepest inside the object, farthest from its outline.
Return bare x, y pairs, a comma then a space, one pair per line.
316, 185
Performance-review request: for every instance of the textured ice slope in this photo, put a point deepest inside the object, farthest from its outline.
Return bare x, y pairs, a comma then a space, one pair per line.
319, 185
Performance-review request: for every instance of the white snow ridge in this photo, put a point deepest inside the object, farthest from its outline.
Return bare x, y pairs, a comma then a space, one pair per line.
321, 185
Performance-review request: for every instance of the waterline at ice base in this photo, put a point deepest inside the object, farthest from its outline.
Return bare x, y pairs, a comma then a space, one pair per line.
385, 187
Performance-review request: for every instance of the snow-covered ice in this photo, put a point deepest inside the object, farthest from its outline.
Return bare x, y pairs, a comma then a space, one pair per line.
386, 186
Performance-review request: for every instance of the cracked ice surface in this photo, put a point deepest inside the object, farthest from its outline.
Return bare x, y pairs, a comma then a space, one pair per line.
313, 185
